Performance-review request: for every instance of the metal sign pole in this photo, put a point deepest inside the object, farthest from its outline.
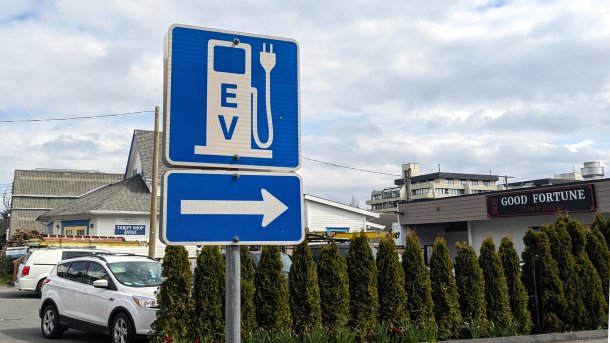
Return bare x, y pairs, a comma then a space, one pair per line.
233, 294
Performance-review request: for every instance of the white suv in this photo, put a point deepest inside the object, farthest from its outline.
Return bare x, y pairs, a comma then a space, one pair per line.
110, 293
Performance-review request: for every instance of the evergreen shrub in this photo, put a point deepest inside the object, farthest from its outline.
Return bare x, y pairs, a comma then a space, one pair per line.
271, 294
248, 310
470, 284
334, 287
304, 291
561, 249
517, 294
420, 306
391, 285
174, 298
209, 294
362, 275
541, 279
598, 253
444, 291
496, 289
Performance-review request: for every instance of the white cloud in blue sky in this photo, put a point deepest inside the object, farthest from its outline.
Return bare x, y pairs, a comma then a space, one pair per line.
517, 88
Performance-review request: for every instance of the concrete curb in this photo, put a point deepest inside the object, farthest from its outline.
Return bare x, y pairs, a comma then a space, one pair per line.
545, 338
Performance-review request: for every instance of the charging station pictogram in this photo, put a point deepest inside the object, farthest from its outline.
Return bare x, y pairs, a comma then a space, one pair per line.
232, 100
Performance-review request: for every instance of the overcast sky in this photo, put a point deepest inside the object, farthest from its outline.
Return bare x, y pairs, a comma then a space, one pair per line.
518, 88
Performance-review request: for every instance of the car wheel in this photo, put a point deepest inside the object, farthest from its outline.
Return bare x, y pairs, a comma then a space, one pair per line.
122, 329
39, 287
49, 322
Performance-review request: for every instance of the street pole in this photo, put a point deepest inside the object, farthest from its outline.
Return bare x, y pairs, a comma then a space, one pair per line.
233, 293
152, 232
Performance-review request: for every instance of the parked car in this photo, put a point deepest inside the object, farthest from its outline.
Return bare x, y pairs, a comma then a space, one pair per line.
285, 258
38, 263
113, 294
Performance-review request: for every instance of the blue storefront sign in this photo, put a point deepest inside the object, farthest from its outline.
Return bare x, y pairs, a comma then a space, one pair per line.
129, 230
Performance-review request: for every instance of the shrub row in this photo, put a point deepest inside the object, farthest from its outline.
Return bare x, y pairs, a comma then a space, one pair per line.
489, 295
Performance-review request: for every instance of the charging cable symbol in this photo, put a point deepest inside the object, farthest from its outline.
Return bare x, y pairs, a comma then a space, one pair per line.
232, 102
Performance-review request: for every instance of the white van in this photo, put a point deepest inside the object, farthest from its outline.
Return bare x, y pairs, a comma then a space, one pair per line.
38, 263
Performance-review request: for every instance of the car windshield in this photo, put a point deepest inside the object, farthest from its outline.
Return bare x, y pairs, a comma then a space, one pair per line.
137, 273
286, 261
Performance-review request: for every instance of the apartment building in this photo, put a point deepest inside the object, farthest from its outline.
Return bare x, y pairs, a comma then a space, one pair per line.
415, 186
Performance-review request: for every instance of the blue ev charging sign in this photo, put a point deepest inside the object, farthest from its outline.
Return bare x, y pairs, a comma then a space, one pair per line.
215, 207
231, 100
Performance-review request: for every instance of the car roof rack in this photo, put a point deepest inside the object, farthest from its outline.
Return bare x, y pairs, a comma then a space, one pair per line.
101, 255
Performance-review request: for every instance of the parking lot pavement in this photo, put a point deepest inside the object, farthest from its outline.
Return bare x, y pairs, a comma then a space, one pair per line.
19, 321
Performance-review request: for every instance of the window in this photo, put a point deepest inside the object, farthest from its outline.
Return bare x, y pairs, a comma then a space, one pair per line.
77, 271
62, 269
68, 232
80, 232
474, 182
95, 272
386, 193
486, 183
450, 182
463, 182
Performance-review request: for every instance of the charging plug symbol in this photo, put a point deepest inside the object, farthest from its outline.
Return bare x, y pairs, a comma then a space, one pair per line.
268, 62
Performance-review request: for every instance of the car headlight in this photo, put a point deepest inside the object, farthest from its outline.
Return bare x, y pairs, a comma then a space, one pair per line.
145, 301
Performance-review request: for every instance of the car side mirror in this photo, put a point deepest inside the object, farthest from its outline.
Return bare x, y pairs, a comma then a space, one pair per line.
100, 283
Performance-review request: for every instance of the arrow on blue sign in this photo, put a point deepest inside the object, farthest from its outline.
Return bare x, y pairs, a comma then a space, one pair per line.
270, 207
218, 207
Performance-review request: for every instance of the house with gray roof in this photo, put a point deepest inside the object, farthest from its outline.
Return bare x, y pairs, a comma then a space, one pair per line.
37, 191
118, 210
140, 158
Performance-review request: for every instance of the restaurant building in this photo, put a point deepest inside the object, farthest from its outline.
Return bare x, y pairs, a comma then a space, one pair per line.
471, 218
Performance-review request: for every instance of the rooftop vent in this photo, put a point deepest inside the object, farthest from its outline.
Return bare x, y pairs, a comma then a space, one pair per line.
592, 170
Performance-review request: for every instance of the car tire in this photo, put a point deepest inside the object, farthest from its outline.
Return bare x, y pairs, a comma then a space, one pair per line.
122, 330
39, 287
49, 322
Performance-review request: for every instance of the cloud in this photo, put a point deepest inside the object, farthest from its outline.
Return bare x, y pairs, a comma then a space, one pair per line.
521, 88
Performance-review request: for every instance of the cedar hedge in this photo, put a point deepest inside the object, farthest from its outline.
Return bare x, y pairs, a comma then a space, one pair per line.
420, 306
209, 294
470, 284
390, 283
271, 294
517, 294
362, 274
334, 287
304, 291
444, 292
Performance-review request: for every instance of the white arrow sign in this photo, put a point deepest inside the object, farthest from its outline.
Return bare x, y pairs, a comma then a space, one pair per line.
270, 207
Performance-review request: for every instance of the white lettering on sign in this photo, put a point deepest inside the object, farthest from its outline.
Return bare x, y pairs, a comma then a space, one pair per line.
129, 229
514, 200
577, 194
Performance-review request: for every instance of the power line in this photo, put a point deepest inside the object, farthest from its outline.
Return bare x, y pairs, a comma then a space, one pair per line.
74, 118
352, 168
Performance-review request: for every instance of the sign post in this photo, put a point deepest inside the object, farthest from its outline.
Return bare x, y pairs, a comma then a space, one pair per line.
232, 102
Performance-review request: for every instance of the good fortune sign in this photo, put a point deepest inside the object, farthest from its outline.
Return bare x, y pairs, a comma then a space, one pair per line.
579, 198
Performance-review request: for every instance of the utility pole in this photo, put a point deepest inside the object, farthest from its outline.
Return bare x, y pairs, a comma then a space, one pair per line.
152, 235
407, 178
